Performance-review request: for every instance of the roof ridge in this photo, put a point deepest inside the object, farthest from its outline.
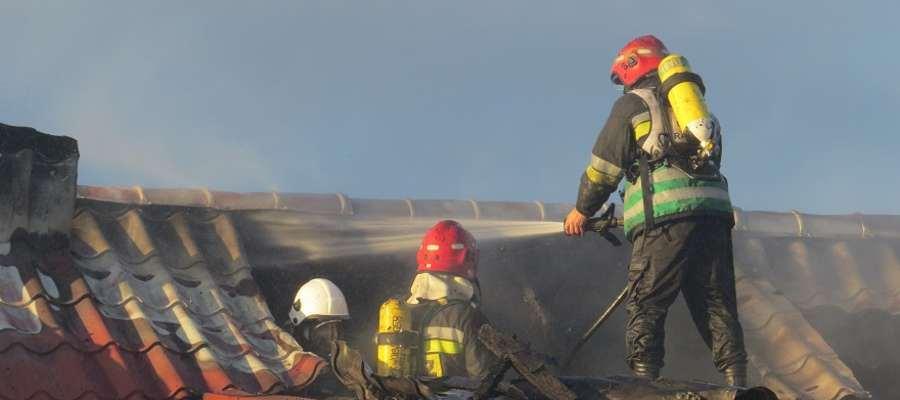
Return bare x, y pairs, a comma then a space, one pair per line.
178, 302
158, 343
769, 320
97, 395
175, 302
155, 254
243, 328
189, 232
44, 295
129, 208
786, 370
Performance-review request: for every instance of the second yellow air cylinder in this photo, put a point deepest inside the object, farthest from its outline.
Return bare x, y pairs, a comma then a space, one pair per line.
688, 103
396, 340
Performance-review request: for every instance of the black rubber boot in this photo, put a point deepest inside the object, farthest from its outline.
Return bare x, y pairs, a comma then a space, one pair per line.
647, 371
736, 375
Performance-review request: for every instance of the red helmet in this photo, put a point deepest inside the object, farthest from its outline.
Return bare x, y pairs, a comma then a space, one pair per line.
638, 58
450, 249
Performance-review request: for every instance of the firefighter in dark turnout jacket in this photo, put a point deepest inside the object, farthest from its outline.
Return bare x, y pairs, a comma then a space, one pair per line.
442, 309
444, 297
677, 213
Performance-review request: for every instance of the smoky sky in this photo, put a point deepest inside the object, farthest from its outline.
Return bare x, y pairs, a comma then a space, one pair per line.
496, 100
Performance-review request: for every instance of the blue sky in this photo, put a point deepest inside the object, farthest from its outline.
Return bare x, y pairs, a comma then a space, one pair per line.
493, 100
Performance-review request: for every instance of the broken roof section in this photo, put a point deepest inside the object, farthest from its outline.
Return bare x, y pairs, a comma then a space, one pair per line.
37, 185
828, 262
136, 303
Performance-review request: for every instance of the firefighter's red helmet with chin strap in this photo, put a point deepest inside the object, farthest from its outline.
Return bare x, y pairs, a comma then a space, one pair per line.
449, 249
638, 58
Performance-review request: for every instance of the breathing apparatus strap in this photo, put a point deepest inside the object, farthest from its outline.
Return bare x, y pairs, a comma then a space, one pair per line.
660, 112
646, 191
426, 313
431, 309
680, 78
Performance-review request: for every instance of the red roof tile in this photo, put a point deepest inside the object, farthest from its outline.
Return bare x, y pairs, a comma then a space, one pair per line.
112, 301
115, 332
120, 323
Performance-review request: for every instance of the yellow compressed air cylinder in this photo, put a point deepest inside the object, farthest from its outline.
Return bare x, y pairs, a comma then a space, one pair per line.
395, 340
687, 102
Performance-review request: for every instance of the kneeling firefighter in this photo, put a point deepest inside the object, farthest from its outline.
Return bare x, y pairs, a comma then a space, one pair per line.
316, 317
434, 332
662, 139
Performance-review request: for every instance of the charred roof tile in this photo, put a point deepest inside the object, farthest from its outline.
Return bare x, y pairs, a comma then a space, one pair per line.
151, 303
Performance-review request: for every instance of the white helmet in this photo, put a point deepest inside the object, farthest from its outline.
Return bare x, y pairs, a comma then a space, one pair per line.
318, 298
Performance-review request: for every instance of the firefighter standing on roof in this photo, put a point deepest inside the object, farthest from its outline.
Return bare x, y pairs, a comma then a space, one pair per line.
434, 331
661, 138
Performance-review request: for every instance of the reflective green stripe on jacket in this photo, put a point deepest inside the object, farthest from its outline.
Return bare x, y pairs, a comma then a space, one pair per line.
675, 193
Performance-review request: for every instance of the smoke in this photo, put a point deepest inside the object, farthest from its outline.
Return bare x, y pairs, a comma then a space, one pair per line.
536, 283
152, 97
114, 151
121, 112
304, 238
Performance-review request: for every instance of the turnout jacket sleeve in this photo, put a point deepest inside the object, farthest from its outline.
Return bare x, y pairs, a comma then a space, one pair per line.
479, 359
613, 153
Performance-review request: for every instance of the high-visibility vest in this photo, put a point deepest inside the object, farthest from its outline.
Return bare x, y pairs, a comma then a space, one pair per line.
674, 192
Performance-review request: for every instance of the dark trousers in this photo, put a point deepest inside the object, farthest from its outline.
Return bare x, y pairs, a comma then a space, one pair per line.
693, 256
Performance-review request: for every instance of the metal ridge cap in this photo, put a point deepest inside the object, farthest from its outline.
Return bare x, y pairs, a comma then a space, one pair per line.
320, 203
767, 223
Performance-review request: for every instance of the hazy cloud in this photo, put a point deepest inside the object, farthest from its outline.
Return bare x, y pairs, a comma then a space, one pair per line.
496, 100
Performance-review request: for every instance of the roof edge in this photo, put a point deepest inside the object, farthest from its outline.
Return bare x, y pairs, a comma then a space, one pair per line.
762, 223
